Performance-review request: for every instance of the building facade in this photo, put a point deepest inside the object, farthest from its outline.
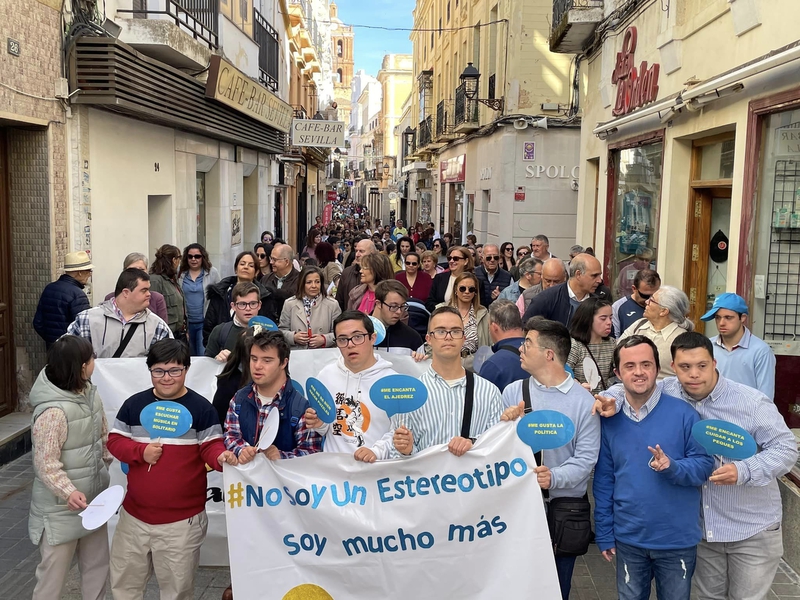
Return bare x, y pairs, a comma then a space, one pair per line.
496, 123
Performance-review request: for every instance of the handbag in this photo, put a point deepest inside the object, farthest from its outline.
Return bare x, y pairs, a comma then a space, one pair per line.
568, 519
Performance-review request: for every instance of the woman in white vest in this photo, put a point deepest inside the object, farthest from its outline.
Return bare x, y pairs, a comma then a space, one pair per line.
69, 433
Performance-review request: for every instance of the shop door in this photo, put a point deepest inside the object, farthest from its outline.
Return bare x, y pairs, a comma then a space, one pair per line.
706, 267
8, 382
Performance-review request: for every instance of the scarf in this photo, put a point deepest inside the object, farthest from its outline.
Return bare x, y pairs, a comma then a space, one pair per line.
308, 304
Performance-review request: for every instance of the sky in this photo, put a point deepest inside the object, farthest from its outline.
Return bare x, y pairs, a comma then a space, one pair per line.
372, 44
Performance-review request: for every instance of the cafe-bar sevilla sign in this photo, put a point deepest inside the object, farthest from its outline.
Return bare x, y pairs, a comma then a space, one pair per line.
635, 88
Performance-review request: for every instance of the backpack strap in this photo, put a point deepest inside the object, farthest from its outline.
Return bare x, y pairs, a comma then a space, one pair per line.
466, 422
224, 332
510, 348
126, 340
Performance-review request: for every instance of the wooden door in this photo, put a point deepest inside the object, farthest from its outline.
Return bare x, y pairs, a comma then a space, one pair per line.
8, 381
695, 271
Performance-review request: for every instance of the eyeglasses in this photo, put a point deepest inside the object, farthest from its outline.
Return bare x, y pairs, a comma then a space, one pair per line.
273, 259
194, 256
261, 255
395, 307
243, 305
441, 334
411, 264
356, 338
174, 372
492, 257
455, 258
463, 289
652, 300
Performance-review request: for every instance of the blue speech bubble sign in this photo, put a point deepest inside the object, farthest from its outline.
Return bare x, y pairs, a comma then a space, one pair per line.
545, 429
262, 322
125, 468
320, 399
165, 419
298, 388
569, 370
380, 330
398, 394
724, 439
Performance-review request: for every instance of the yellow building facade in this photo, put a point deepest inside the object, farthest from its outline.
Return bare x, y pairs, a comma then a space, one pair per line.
471, 159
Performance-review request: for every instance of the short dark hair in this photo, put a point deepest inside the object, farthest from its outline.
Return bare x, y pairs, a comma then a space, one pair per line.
580, 327
442, 310
354, 315
505, 314
414, 253
244, 288
386, 287
691, 340
169, 351
325, 253
647, 276
65, 360
129, 279
633, 341
267, 339
552, 335
301, 280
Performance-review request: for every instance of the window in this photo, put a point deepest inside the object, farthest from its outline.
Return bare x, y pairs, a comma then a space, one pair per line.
448, 12
339, 52
636, 193
440, 26
339, 75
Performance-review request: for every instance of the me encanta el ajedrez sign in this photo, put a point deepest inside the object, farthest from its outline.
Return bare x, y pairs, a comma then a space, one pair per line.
229, 85
317, 133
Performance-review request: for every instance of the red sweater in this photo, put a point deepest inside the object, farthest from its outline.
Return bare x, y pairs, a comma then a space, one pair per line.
175, 488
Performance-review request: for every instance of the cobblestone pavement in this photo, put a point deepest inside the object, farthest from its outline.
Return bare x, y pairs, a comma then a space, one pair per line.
594, 578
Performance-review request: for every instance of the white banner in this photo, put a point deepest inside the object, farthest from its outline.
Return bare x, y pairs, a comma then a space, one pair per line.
117, 379
432, 526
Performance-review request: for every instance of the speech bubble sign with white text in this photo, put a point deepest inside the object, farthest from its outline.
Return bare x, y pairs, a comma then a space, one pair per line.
398, 394
320, 399
724, 439
165, 419
545, 429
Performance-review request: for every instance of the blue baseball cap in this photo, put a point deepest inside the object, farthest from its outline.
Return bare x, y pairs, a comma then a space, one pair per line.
728, 301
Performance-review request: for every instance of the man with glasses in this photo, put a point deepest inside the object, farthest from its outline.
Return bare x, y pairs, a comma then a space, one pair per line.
391, 303
163, 522
282, 282
553, 272
563, 472
530, 274
461, 406
629, 309
245, 304
360, 427
493, 279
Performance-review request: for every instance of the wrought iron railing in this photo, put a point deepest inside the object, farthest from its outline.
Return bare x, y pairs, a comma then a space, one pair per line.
299, 111
466, 110
561, 7
444, 118
199, 18
268, 51
425, 131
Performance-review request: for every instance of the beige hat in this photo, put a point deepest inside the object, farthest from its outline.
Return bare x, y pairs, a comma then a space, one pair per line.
78, 261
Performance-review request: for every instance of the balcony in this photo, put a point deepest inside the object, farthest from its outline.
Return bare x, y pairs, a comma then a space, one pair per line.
466, 111
574, 22
425, 133
444, 122
267, 39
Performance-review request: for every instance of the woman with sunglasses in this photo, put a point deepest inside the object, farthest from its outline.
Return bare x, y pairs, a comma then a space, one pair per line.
267, 237
263, 252
460, 261
439, 248
507, 261
522, 252
591, 331
307, 318
196, 274
417, 282
404, 245
466, 298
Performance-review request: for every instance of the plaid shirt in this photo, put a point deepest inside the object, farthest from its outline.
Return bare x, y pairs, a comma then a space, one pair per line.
307, 441
80, 326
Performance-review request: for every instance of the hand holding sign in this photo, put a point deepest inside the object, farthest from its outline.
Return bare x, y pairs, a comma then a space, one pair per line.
398, 394
165, 419
102, 508
545, 429
724, 439
320, 399
270, 431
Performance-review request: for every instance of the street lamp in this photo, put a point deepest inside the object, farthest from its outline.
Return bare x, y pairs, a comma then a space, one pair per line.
408, 141
469, 78
386, 169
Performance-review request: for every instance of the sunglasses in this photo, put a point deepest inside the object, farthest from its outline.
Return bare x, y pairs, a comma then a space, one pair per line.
645, 296
522, 253
411, 264
492, 258
261, 255
194, 256
455, 258
464, 289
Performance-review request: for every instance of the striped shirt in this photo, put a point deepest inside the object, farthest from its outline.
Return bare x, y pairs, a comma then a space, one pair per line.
732, 513
439, 420
646, 408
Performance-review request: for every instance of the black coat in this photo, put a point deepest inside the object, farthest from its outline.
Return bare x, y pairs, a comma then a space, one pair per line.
59, 304
219, 304
553, 303
502, 279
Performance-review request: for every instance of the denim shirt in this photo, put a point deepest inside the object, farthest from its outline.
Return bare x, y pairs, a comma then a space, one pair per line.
193, 293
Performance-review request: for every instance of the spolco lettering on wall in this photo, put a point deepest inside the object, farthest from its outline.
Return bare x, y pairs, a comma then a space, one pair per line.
635, 88
551, 172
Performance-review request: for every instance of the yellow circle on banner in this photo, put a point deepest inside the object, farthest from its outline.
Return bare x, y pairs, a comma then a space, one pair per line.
307, 591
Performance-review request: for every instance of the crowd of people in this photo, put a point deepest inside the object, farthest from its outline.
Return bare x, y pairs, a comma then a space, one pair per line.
505, 331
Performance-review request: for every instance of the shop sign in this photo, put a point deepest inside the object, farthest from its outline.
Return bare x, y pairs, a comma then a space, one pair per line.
551, 172
453, 170
529, 151
231, 87
519, 194
787, 140
316, 133
331, 195
486, 173
635, 88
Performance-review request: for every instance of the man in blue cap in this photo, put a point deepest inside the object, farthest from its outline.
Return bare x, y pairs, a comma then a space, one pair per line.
740, 355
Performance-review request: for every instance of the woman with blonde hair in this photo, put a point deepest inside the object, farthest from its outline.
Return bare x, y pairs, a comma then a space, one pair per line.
466, 298
460, 261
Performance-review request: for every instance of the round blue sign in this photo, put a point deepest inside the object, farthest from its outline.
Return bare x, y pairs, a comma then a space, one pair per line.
724, 439
545, 429
320, 399
398, 394
166, 419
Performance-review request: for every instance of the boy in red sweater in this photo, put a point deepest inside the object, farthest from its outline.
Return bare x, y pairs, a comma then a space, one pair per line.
163, 521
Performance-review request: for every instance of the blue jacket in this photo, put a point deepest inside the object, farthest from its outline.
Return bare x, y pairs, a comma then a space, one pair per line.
553, 303
292, 406
503, 366
59, 304
502, 279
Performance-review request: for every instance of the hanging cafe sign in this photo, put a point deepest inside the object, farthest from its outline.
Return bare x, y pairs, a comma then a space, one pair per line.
635, 88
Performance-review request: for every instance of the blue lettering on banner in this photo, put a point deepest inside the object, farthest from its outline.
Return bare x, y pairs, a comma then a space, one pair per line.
306, 542
390, 543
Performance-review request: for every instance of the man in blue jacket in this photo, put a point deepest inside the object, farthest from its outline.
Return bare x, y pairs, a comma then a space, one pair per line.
505, 329
647, 482
492, 278
63, 299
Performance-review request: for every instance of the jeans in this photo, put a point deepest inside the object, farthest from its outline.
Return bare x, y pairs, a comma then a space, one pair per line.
672, 569
196, 339
565, 565
739, 570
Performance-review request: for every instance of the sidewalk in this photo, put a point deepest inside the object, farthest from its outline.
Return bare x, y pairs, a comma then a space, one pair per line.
594, 578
